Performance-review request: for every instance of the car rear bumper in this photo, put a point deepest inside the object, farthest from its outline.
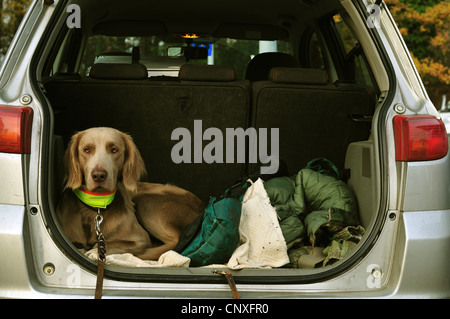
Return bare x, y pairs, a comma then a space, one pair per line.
423, 260
419, 267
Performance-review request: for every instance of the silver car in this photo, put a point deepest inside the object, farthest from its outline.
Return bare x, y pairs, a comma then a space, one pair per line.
334, 79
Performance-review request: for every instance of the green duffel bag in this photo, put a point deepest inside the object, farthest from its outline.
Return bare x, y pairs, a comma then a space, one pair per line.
218, 236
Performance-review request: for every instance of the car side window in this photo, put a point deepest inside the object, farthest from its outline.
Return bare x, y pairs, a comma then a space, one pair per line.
351, 49
63, 59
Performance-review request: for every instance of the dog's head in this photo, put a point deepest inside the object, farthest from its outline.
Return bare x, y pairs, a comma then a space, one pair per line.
100, 158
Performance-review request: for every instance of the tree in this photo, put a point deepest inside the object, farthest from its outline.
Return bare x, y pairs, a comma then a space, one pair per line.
425, 28
11, 14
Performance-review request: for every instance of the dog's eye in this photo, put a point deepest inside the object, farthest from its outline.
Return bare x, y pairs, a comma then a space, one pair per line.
86, 150
114, 150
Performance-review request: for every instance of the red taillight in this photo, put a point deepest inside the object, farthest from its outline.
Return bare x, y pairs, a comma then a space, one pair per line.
15, 129
419, 138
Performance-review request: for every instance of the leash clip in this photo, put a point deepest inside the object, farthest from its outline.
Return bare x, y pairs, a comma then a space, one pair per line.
98, 221
101, 254
100, 237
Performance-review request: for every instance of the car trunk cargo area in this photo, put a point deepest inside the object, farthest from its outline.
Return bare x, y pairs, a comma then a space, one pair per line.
312, 117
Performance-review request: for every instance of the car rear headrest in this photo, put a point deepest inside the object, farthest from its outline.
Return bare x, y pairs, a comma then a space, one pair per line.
135, 55
298, 76
118, 71
202, 72
259, 67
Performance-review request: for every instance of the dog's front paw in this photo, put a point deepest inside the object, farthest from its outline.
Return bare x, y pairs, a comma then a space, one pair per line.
92, 254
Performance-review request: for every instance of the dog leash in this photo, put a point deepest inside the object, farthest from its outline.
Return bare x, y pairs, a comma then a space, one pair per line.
229, 277
99, 201
101, 255
101, 246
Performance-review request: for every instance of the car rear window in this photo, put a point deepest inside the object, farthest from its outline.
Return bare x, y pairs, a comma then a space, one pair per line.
221, 51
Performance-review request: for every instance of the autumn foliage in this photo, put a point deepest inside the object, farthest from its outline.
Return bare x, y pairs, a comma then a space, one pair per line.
11, 14
425, 28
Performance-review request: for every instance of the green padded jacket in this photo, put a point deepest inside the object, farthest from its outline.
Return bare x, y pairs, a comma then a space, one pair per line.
312, 204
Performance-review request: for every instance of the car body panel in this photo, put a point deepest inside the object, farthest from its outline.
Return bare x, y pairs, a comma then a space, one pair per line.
12, 184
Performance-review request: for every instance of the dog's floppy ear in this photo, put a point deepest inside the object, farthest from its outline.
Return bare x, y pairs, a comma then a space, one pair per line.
133, 167
73, 175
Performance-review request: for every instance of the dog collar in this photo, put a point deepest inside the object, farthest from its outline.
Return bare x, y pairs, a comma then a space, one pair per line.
97, 200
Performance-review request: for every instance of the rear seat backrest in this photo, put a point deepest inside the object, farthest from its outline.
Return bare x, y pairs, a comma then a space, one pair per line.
118, 71
298, 76
151, 110
313, 115
213, 73
212, 93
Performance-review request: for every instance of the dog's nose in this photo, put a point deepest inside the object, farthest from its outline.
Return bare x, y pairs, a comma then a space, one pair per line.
99, 175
